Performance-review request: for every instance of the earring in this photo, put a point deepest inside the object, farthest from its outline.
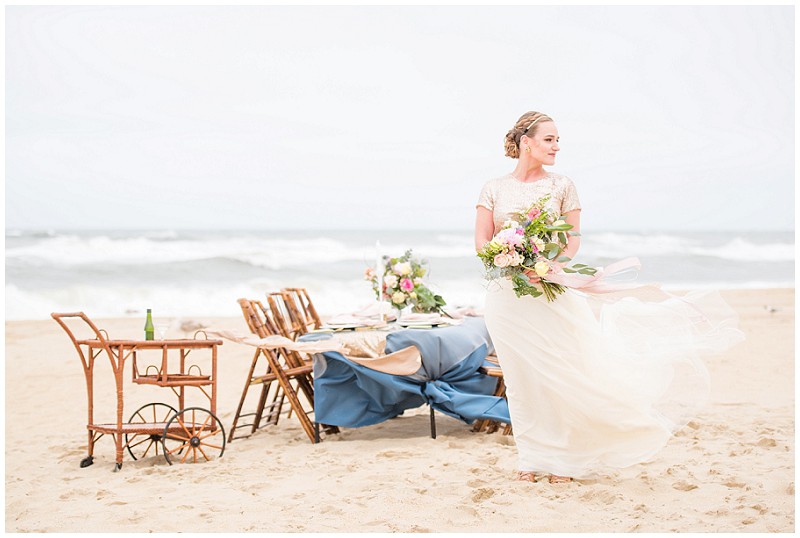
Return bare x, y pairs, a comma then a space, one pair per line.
528, 149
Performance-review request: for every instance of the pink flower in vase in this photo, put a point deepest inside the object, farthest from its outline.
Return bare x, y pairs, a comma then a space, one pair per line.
533, 213
406, 284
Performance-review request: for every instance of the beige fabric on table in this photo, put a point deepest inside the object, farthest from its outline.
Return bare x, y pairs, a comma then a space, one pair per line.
364, 344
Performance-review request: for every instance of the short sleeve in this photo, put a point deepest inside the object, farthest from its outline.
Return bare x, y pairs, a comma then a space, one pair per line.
487, 197
570, 202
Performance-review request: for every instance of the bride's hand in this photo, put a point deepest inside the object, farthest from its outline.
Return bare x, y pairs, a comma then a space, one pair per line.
532, 276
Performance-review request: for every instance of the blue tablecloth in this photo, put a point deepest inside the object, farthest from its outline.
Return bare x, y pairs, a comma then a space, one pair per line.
350, 395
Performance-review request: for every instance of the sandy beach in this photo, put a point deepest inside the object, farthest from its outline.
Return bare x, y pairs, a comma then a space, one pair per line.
730, 470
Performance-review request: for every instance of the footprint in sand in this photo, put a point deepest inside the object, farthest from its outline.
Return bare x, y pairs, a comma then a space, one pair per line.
476, 483
683, 485
504, 440
491, 460
605, 497
482, 494
766, 441
331, 510
734, 484
394, 454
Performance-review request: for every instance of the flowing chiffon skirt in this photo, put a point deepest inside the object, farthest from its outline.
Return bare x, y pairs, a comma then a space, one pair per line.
596, 384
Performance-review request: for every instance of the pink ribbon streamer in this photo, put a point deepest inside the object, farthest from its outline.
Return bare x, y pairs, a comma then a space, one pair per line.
596, 283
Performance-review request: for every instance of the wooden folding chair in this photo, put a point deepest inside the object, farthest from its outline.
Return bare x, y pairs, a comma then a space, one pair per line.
261, 327
301, 308
291, 374
488, 425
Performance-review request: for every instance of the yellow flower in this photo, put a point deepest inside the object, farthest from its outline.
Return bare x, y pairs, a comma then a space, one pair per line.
541, 268
398, 297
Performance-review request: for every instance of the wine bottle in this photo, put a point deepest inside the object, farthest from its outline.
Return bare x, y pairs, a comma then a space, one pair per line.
148, 326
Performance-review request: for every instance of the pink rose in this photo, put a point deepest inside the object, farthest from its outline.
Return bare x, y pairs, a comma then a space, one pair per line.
502, 260
533, 213
406, 284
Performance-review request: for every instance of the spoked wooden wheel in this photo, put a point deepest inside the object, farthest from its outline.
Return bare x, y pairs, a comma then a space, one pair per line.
140, 445
193, 435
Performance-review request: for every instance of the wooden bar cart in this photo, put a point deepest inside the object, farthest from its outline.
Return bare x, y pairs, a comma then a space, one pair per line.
182, 434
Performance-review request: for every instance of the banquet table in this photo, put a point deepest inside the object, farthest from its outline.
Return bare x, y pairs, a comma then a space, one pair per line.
449, 380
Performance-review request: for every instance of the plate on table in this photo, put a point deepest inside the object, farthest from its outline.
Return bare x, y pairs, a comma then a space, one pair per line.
344, 327
421, 324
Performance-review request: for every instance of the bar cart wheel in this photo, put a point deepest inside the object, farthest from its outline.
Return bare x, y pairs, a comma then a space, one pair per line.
139, 444
198, 432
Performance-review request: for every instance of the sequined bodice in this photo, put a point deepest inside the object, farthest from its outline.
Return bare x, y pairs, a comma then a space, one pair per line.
506, 196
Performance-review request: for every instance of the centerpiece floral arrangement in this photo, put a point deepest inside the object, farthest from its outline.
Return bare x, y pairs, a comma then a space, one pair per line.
402, 284
533, 240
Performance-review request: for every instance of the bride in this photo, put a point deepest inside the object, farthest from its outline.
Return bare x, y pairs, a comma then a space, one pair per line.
594, 383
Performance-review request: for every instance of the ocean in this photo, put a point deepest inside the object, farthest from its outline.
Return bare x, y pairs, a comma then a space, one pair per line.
202, 273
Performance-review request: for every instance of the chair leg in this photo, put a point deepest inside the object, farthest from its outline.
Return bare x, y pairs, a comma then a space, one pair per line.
244, 394
433, 425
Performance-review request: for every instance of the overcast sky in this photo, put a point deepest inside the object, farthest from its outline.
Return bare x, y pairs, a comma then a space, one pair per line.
671, 118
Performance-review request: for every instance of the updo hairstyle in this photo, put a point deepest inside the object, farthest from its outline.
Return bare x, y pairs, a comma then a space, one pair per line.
527, 124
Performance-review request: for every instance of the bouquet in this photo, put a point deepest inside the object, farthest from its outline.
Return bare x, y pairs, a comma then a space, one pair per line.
401, 283
532, 241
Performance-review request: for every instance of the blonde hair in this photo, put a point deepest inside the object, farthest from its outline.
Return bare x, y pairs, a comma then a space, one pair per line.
526, 125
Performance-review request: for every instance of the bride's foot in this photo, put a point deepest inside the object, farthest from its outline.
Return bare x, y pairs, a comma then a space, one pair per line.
527, 476
555, 479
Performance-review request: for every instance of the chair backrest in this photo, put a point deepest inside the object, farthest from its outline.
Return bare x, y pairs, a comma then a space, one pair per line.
259, 319
303, 308
263, 322
289, 324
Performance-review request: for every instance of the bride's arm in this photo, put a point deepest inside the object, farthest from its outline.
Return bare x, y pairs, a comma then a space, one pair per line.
573, 217
484, 227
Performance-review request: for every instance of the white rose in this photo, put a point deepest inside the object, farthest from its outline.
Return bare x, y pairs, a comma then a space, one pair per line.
390, 281
402, 268
516, 259
398, 297
502, 260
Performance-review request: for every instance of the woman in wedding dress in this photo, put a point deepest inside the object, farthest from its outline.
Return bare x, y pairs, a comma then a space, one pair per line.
594, 383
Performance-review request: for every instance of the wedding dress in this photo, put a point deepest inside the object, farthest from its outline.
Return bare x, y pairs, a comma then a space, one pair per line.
596, 383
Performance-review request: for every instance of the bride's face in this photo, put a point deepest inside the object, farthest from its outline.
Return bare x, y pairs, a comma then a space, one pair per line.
544, 144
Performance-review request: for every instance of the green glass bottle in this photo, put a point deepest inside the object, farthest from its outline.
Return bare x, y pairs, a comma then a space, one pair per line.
149, 329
